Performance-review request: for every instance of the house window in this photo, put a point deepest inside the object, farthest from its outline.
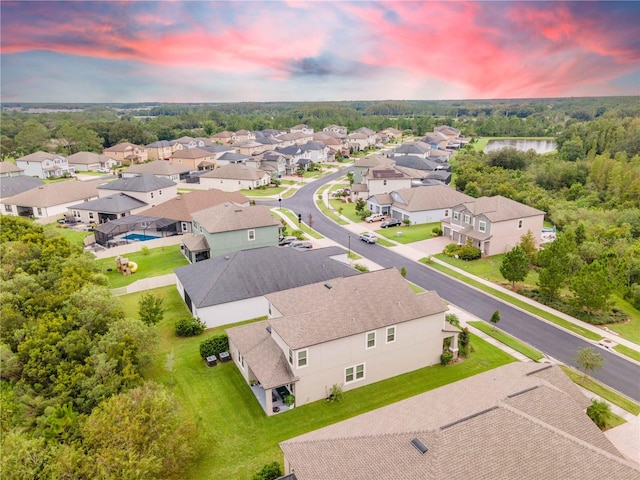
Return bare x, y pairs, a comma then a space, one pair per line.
351, 374
290, 357
371, 339
90, 215
302, 358
482, 226
520, 222
391, 334
456, 215
39, 212
467, 219
159, 192
252, 235
7, 208
446, 213
384, 182
184, 227
151, 194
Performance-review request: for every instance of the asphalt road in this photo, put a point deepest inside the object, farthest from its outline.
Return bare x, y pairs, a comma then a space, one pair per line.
617, 373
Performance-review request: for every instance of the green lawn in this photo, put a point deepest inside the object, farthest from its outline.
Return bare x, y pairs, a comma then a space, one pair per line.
75, 237
488, 268
414, 233
629, 352
631, 329
514, 301
508, 340
599, 389
329, 213
238, 437
348, 209
267, 192
301, 226
159, 261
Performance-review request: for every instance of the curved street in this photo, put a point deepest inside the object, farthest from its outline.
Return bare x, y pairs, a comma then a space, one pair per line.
617, 372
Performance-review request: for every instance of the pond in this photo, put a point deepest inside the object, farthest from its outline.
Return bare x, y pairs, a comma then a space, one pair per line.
524, 145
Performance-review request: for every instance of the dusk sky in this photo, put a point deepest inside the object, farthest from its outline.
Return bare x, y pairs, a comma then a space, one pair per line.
179, 51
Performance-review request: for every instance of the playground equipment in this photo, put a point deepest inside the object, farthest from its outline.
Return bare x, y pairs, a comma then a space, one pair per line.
125, 266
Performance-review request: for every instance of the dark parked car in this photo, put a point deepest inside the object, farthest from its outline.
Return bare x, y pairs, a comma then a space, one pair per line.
392, 222
286, 240
301, 244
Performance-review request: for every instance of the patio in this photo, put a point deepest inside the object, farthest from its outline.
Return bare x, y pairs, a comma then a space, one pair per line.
261, 395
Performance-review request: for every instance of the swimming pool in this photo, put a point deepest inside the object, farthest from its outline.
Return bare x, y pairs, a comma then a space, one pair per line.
137, 237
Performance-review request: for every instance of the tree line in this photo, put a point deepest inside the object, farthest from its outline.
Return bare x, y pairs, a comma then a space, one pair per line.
74, 403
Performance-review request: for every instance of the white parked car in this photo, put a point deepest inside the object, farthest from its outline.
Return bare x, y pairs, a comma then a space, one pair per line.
368, 237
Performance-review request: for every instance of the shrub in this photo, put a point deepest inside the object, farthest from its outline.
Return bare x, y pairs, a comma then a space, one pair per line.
446, 357
361, 268
437, 231
451, 250
600, 412
145, 251
406, 222
189, 327
468, 252
464, 342
336, 394
269, 471
214, 345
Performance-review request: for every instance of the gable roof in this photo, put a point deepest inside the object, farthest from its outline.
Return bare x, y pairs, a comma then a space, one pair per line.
499, 208
11, 186
415, 162
229, 217
235, 171
145, 182
258, 271
123, 147
316, 314
38, 157
190, 153
431, 197
183, 206
160, 144
373, 161
507, 423
116, 203
51, 194
158, 167
9, 167
87, 158
412, 148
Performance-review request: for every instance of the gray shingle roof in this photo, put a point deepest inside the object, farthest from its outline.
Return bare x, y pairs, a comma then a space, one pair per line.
10, 186
373, 161
259, 271
316, 314
145, 182
87, 158
229, 216
158, 167
235, 171
418, 163
501, 424
39, 157
429, 198
9, 167
116, 203
51, 194
183, 206
499, 208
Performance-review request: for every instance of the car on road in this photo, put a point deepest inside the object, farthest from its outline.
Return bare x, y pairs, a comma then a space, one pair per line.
392, 222
301, 244
376, 217
368, 237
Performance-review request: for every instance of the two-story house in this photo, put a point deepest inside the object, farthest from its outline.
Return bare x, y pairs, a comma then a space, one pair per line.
249, 147
223, 138
386, 179
492, 224
91, 162
316, 152
127, 153
159, 168
417, 149
194, 158
230, 227
348, 332
243, 136
44, 165
339, 129
304, 128
160, 150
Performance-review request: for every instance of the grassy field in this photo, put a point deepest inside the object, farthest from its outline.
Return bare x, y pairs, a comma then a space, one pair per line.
238, 436
604, 392
515, 301
414, 233
159, 261
629, 352
267, 192
331, 214
75, 237
301, 226
348, 209
508, 340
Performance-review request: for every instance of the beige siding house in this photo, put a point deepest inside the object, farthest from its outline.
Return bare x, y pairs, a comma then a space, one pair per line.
519, 421
194, 159
493, 224
127, 152
319, 335
234, 177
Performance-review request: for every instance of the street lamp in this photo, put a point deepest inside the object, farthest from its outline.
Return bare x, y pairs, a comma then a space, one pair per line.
280, 202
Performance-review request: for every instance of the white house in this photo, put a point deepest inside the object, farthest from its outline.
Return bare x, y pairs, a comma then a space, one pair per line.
348, 332
234, 177
44, 165
146, 187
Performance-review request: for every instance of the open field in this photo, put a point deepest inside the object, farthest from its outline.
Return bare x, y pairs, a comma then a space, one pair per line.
239, 437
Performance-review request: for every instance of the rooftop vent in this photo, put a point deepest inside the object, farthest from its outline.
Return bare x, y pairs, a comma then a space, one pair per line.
328, 285
419, 446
